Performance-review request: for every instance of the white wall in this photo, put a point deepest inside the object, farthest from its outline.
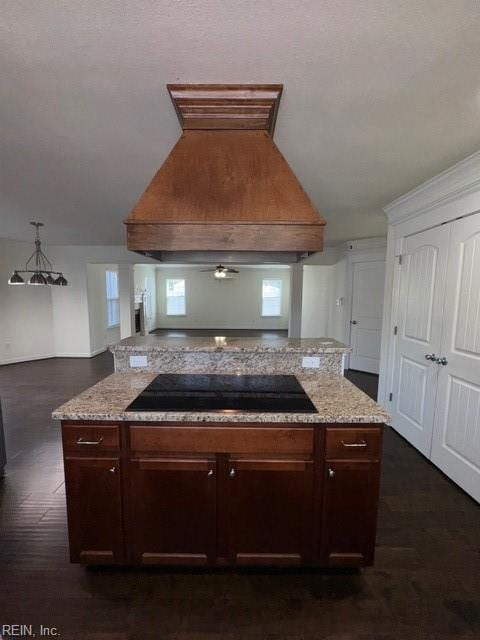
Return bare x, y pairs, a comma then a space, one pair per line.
337, 319
316, 300
100, 335
222, 304
71, 304
26, 318
142, 271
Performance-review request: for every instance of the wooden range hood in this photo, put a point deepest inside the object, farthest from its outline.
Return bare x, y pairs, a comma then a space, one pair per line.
225, 193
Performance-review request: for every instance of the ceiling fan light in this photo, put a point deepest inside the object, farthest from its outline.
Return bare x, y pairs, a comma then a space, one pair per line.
37, 279
16, 278
50, 279
61, 281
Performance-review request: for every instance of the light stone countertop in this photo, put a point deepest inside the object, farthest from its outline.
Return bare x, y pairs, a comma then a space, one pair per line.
227, 344
337, 401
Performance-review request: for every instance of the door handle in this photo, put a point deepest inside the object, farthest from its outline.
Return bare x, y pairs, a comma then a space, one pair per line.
353, 322
113, 469
210, 473
232, 473
356, 445
331, 473
430, 356
90, 442
443, 361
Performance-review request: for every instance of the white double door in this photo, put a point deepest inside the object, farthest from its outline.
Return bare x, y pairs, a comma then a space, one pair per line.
436, 389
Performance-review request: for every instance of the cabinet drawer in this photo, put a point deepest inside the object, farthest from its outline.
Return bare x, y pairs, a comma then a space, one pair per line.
221, 439
353, 443
90, 438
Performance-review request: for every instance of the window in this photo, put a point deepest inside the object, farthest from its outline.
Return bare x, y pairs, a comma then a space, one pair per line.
175, 297
113, 301
271, 298
149, 297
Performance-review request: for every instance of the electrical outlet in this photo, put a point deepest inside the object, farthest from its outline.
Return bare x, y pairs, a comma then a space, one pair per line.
311, 362
138, 361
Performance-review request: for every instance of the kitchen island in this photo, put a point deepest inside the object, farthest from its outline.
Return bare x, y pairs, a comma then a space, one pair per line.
223, 488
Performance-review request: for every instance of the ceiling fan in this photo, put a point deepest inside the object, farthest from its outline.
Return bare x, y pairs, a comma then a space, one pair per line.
220, 271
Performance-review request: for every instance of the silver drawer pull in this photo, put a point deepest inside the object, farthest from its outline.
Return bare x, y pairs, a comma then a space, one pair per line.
355, 445
90, 442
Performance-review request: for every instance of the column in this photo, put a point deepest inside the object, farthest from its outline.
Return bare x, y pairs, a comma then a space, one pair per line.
126, 291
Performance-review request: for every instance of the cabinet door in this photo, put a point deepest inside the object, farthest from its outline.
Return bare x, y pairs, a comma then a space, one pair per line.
171, 513
270, 511
349, 512
93, 487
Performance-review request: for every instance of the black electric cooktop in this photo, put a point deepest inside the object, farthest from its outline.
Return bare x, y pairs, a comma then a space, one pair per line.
229, 393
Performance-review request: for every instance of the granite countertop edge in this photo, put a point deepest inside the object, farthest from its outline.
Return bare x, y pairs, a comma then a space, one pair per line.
262, 418
233, 349
336, 399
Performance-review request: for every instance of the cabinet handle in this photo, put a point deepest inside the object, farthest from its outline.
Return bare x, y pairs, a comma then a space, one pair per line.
210, 473
113, 469
233, 473
430, 356
331, 473
355, 445
90, 442
443, 361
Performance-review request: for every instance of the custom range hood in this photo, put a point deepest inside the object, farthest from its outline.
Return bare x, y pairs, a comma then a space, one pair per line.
225, 194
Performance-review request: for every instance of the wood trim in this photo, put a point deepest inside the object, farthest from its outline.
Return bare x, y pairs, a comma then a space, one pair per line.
203, 439
174, 558
262, 464
144, 236
226, 106
282, 559
174, 464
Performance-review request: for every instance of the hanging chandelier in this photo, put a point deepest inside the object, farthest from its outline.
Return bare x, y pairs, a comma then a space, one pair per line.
39, 266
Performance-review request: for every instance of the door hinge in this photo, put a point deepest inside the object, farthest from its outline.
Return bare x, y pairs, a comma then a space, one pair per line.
390, 397
395, 330
399, 259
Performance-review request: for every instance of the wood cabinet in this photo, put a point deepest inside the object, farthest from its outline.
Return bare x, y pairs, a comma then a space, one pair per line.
172, 504
270, 511
222, 495
351, 479
94, 499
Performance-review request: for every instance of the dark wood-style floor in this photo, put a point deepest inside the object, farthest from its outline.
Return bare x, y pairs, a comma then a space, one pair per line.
425, 583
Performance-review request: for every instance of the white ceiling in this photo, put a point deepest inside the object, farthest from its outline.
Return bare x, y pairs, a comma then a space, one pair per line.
379, 96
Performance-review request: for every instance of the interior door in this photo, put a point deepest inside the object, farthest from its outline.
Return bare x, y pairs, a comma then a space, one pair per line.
174, 520
456, 437
270, 511
419, 330
367, 312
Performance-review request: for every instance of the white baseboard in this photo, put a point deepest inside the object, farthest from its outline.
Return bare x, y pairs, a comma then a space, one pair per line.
88, 354
27, 358
46, 356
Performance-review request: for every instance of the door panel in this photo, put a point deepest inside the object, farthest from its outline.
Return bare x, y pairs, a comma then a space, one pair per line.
349, 512
456, 439
367, 313
174, 521
270, 514
419, 331
93, 487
